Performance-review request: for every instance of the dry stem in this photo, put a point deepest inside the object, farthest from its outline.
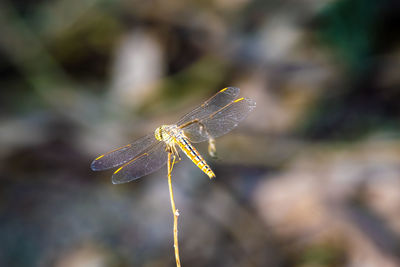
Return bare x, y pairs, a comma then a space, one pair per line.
174, 210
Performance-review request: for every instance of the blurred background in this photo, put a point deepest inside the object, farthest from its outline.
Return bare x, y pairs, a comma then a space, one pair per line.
310, 178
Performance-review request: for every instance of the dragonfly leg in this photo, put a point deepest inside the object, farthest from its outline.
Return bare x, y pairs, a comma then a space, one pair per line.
212, 150
171, 149
176, 153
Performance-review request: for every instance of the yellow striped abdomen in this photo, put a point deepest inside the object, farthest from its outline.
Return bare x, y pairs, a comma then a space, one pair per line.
195, 156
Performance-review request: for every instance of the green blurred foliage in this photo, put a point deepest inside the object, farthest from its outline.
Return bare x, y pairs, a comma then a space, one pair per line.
350, 28
322, 255
356, 32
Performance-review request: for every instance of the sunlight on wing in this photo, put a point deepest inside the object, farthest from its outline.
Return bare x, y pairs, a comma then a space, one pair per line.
123, 154
216, 102
220, 121
145, 163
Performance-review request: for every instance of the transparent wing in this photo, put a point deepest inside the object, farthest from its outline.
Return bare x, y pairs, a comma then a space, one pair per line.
216, 102
123, 154
145, 163
220, 121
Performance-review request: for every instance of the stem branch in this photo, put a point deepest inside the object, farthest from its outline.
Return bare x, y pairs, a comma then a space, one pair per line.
175, 212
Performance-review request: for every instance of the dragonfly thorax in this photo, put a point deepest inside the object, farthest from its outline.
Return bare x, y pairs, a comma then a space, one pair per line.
166, 133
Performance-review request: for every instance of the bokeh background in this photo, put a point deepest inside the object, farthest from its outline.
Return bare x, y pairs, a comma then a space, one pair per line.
310, 178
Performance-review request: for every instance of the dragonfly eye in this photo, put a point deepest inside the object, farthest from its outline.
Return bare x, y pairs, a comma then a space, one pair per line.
158, 134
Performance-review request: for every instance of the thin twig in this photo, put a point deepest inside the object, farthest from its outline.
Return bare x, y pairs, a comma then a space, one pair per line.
174, 210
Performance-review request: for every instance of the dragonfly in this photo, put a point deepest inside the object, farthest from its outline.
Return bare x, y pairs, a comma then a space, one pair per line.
215, 117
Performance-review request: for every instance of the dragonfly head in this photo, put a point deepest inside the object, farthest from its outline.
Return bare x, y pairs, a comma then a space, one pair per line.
160, 133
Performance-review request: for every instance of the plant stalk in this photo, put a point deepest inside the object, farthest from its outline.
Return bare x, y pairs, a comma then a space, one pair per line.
175, 212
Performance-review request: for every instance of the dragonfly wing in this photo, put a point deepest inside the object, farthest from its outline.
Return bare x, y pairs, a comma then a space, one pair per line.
216, 102
145, 163
123, 154
220, 121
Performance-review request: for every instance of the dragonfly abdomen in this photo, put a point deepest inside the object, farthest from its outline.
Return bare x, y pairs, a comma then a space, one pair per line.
194, 155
